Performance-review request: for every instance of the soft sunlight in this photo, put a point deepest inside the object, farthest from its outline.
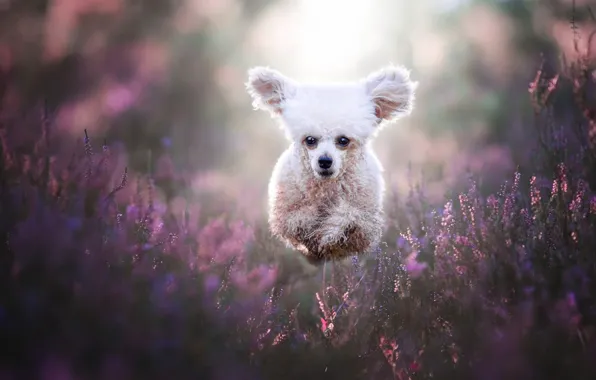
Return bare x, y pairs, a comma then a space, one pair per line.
334, 35
318, 39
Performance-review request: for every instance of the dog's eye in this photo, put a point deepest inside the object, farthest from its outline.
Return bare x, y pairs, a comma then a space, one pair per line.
343, 141
310, 141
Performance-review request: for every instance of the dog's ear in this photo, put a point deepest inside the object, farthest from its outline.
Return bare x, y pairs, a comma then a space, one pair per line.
392, 92
269, 89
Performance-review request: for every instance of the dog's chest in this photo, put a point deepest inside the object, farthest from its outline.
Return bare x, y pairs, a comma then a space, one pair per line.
324, 190
330, 192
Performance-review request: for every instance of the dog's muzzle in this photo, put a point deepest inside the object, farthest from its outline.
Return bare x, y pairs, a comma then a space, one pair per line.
325, 173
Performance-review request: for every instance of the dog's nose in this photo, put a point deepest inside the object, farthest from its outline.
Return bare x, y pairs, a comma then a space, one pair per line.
325, 162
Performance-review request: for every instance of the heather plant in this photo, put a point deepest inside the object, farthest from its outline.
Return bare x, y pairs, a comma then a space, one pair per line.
485, 287
111, 275
92, 286
99, 285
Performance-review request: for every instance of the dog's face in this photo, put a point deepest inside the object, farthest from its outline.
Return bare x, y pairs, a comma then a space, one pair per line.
330, 123
327, 152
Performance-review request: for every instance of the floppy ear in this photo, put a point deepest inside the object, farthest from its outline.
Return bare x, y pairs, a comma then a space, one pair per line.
269, 89
392, 92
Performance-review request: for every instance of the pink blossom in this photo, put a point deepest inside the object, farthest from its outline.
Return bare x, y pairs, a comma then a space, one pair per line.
118, 99
414, 267
257, 280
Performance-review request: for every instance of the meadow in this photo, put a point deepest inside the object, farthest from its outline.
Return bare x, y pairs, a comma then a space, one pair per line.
112, 267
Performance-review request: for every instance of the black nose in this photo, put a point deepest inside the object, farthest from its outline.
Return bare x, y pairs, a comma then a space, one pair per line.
325, 162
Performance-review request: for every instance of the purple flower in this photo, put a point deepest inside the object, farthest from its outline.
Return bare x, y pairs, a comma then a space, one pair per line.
166, 142
401, 243
211, 282
74, 224
413, 266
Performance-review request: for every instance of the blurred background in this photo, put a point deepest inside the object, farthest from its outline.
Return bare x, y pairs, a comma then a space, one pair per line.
165, 78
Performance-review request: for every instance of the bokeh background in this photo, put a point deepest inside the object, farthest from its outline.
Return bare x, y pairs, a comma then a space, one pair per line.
168, 76
168, 271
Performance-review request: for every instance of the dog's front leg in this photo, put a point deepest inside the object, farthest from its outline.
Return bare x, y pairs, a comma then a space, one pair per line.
341, 219
350, 229
293, 223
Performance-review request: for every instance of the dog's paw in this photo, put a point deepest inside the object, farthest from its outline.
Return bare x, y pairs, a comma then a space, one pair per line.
355, 239
330, 235
295, 226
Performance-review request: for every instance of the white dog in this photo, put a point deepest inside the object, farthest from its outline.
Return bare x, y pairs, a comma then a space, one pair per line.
326, 190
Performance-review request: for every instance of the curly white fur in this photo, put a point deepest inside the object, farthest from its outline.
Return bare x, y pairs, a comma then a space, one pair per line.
336, 212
